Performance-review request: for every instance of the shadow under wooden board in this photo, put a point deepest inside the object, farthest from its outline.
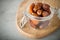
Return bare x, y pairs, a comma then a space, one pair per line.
28, 31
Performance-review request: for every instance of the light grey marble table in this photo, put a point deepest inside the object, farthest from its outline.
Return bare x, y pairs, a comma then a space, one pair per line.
8, 30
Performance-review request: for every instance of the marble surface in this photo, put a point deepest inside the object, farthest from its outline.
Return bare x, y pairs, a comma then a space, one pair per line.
8, 30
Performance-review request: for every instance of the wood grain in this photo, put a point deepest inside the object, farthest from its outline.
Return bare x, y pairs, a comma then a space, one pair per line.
37, 33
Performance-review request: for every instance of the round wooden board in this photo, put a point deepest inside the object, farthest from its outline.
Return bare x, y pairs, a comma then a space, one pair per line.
38, 33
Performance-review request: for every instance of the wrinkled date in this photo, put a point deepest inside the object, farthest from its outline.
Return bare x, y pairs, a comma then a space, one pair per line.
33, 23
37, 7
45, 13
31, 8
46, 7
39, 12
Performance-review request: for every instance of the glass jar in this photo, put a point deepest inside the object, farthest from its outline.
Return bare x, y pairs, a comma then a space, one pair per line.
38, 22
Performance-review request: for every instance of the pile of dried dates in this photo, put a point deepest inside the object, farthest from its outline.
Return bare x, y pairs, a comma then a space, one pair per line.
39, 9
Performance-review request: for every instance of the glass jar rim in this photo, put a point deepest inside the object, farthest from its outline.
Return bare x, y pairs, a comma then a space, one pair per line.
26, 13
